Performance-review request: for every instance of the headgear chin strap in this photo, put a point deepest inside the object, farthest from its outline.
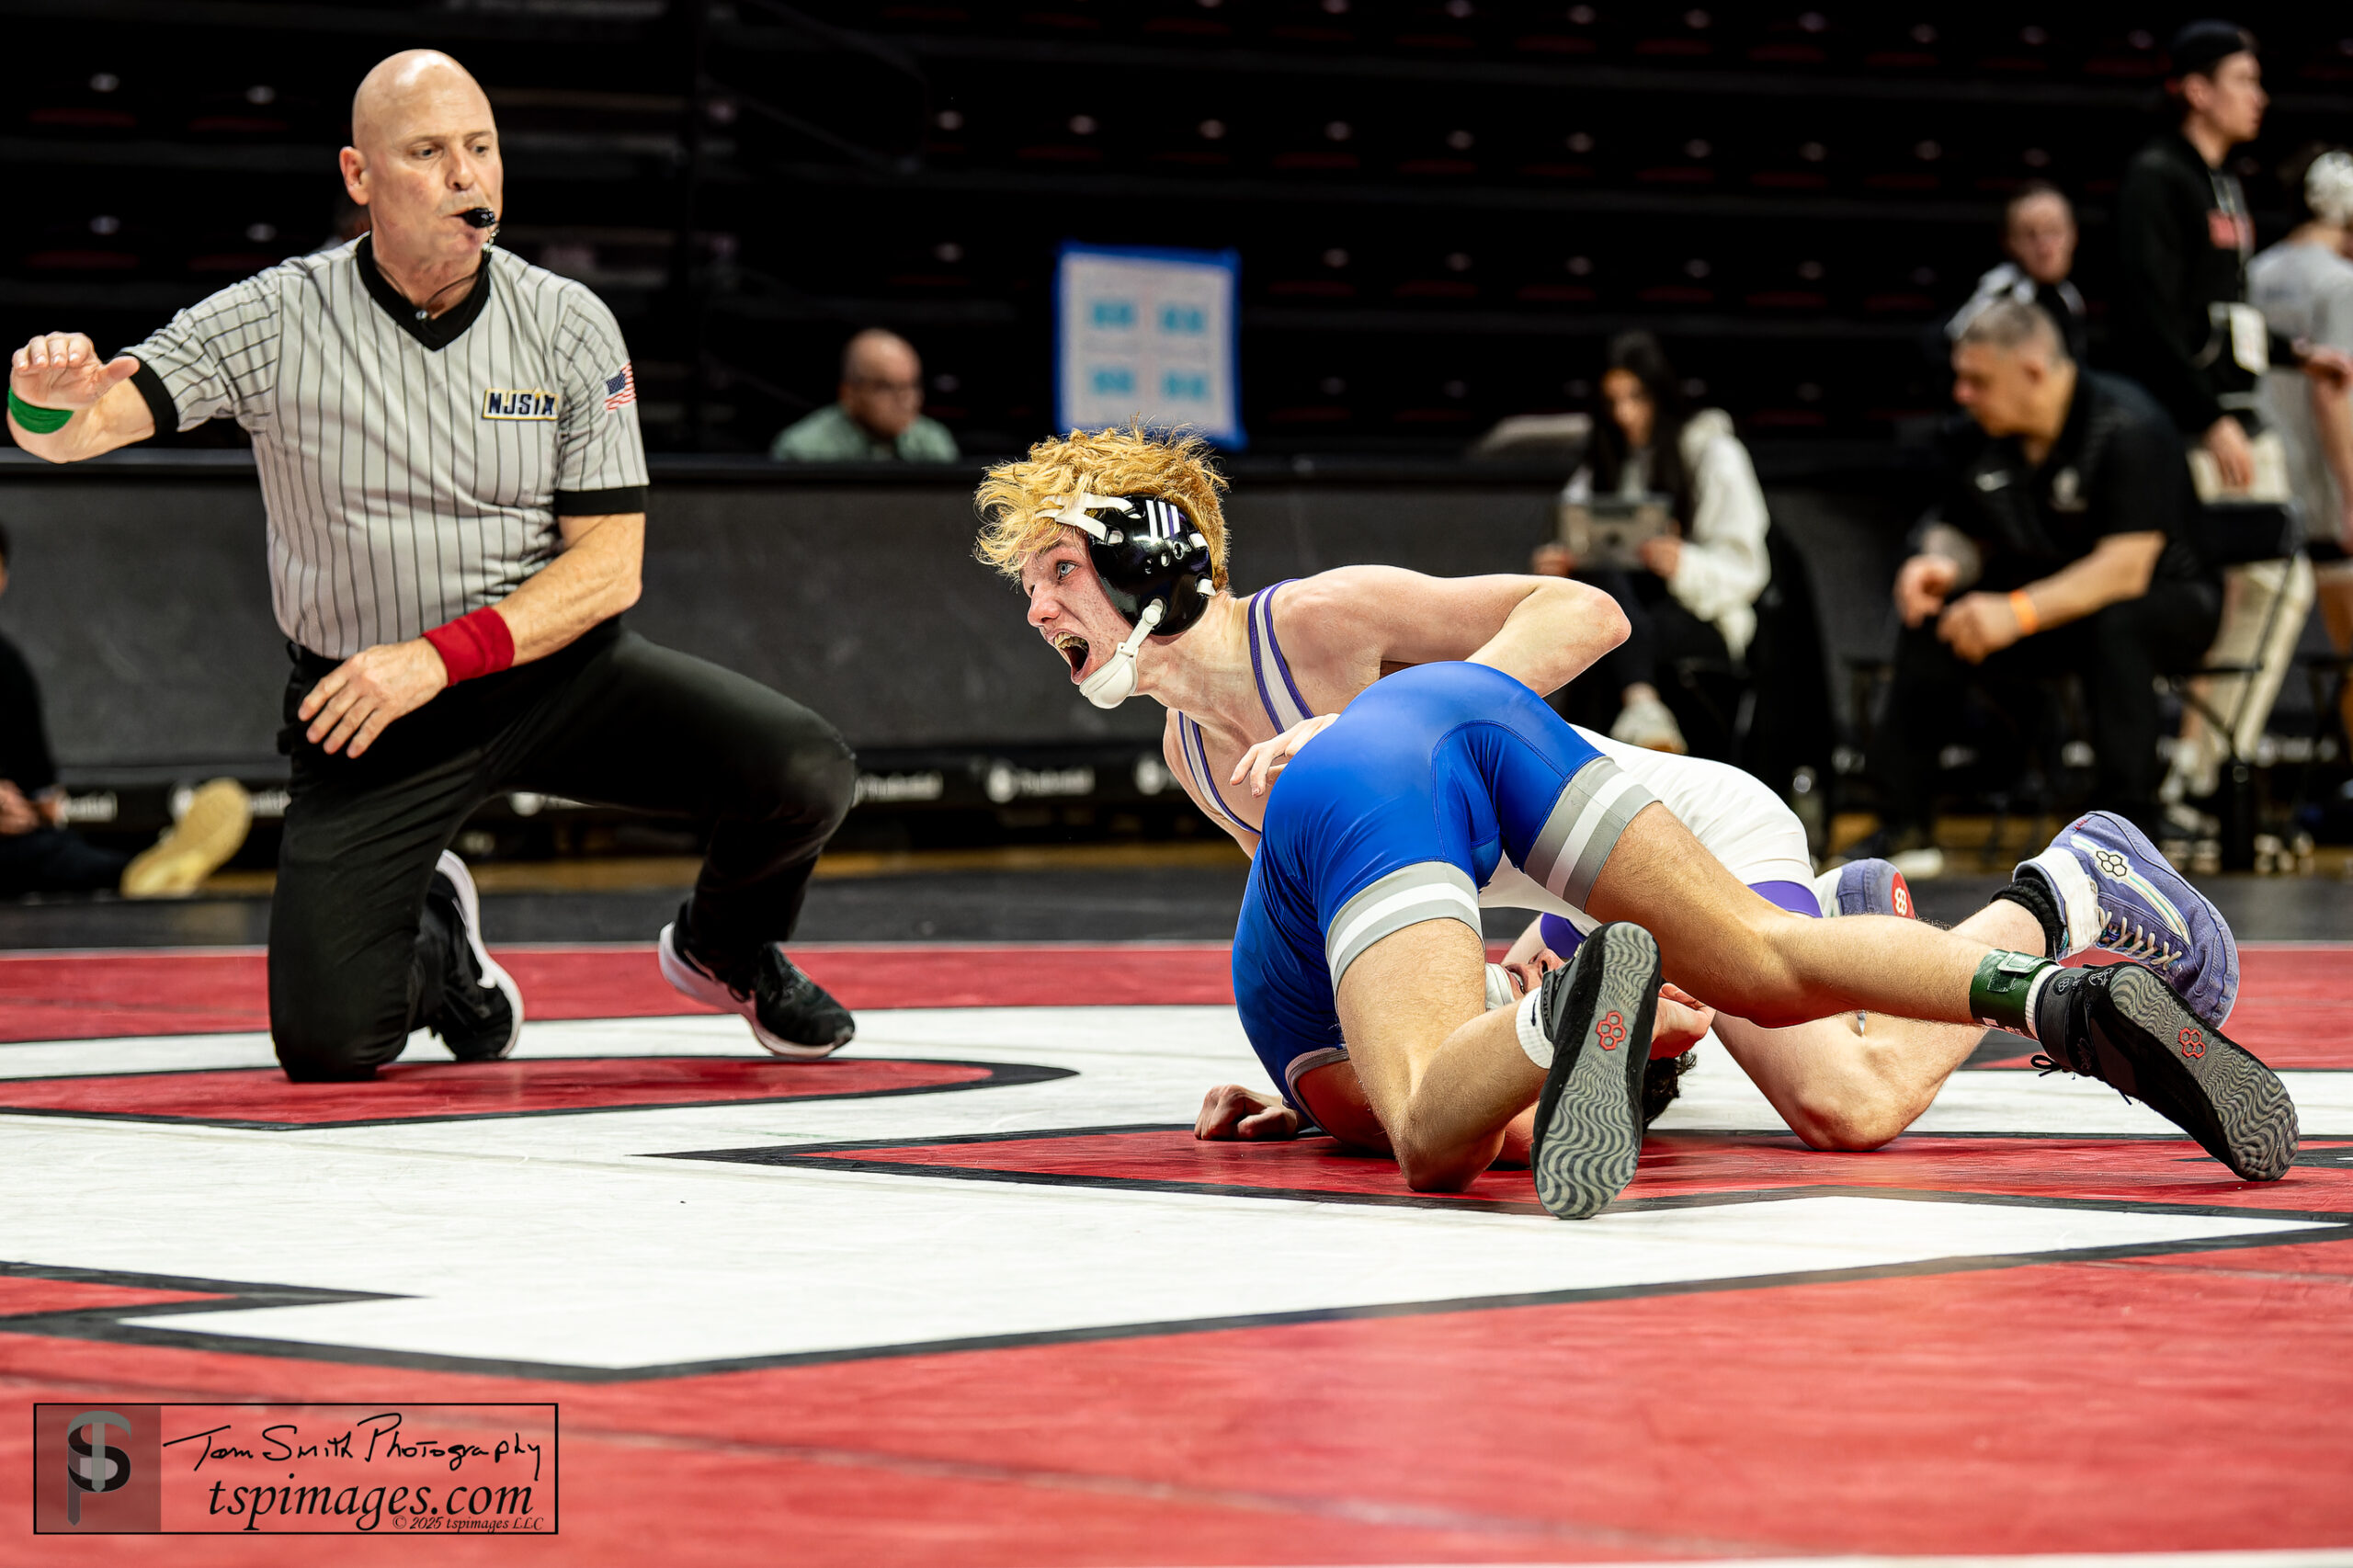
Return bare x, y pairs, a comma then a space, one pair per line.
1155, 570
1115, 681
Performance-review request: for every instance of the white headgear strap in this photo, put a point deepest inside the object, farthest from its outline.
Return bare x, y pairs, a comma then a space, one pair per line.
1115, 681
2328, 187
1075, 511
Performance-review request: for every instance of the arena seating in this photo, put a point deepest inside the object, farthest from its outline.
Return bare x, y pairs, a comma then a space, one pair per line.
1443, 208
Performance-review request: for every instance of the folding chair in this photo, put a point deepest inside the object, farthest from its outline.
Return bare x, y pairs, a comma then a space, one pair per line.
2241, 533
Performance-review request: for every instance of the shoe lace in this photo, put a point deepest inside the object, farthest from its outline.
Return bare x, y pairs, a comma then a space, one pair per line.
2119, 934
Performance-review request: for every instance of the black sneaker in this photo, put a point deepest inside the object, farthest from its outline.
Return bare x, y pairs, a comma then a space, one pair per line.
478, 1013
2125, 1027
1597, 1012
791, 1014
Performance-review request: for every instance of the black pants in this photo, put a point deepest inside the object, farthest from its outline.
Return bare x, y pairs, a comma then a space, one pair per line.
1660, 631
2117, 652
611, 719
57, 860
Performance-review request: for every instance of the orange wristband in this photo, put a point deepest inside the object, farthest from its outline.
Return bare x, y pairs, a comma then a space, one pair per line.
2022, 607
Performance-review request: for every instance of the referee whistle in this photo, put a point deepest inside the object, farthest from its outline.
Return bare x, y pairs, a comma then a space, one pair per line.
480, 217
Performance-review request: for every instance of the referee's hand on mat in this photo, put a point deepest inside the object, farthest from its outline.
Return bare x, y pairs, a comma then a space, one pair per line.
356, 699
64, 369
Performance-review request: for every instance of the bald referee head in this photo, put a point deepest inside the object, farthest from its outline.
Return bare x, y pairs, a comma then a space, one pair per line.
424, 152
446, 442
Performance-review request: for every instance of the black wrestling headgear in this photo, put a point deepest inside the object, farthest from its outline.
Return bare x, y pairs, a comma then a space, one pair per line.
1144, 548
1156, 568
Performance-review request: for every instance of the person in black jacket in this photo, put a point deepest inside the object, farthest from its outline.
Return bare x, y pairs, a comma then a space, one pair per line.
2184, 329
2066, 519
39, 853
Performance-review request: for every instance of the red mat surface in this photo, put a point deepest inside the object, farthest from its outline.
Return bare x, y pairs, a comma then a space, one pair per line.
2154, 1170
2295, 1002
105, 995
2190, 1402
445, 1091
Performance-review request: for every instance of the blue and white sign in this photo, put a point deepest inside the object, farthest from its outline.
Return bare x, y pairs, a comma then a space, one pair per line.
1151, 333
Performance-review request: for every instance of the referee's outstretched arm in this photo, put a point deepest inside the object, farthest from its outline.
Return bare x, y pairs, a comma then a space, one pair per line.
594, 578
62, 373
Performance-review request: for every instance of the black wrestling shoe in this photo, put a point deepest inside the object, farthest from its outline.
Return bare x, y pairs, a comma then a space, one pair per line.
2125, 1027
478, 1013
1597, 1012
791, 1014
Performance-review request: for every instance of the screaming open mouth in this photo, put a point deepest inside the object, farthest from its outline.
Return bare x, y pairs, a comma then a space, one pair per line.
1073, 648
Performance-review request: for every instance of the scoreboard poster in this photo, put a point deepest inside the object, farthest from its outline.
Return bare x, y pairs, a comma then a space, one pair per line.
1149, 332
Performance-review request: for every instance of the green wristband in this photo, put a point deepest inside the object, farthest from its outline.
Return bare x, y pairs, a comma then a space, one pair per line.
38, 420
1999, 990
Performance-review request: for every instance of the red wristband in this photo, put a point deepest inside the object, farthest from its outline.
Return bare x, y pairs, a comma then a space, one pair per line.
476, 643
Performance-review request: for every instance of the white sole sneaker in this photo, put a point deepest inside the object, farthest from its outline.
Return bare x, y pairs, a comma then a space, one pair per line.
494, 977
689, 980
219, 816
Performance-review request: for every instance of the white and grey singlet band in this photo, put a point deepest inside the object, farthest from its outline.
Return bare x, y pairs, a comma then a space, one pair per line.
1430, 889
1593, 808
1307, 1061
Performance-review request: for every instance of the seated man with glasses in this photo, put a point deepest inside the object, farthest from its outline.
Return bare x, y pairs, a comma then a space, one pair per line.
878, 416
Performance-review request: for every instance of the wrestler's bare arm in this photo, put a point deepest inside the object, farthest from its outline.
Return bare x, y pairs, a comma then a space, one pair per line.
1355, 623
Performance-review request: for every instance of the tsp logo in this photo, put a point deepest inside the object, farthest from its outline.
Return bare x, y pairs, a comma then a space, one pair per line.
91, 1465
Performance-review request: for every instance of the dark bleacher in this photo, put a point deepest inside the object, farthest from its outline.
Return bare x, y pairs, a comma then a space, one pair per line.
1443, 206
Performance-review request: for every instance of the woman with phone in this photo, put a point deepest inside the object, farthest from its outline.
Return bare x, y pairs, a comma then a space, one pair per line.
1694, 594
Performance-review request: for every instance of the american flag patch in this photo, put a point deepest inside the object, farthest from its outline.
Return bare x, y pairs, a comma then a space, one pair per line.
620, 388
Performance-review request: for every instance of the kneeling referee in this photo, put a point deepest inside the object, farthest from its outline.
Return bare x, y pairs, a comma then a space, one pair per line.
448, 450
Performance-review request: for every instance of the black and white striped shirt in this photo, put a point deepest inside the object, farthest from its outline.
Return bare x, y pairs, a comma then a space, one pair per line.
413, 469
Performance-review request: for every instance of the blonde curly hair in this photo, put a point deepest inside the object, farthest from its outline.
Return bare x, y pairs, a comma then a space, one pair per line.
1014, 497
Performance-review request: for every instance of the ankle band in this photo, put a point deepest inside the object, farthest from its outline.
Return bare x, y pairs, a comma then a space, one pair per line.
2002, 991
1531, 1035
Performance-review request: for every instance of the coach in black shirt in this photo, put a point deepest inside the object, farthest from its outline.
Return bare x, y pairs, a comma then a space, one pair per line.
2067, 520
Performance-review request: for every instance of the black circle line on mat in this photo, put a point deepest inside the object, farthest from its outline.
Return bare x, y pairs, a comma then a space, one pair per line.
995, 1076
103, 1324
830, 1157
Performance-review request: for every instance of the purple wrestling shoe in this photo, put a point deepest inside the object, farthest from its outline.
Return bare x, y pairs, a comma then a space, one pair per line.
2118, 894
1864, 887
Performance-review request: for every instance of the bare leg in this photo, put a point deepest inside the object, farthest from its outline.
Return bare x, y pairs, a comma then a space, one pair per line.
1445, 1076
1731, 948
1845, 1083
1849, 1082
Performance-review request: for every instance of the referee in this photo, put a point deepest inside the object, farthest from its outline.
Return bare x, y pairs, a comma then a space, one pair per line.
448, 452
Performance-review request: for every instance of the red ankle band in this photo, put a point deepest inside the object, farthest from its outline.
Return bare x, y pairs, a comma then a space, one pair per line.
477, 643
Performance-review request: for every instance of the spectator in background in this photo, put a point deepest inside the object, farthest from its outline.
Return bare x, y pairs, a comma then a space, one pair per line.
878, 416
2038, 233
39, 853
2067, 513
2303, 286
1695, 596
2184, 327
